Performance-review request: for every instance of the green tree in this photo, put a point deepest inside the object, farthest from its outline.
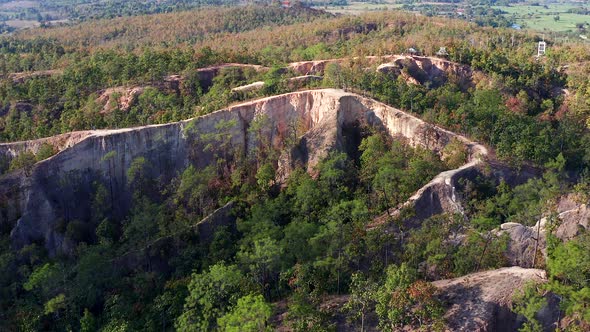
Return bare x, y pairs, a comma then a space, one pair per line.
54, 305
265, 176
262, 260
362, 297
194, 192
138, 176
211, 295
393, 303
404, 300
24, 161
46, 150
528, 302
250, 314
454, 154
87, 322
42, 277
142, 224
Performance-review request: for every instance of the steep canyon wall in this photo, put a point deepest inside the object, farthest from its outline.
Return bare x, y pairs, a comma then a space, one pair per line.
60, 189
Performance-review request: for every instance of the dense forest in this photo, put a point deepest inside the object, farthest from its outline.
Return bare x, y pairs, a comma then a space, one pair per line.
299, 244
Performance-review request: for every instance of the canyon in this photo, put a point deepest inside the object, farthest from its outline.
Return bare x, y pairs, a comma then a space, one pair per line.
305, 126
319, 117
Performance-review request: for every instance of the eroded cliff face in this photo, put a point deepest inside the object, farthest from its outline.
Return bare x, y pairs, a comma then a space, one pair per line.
118, 97
420, 70
206, 75
60, 188
414, 69
482, 301
527, 246
59, 142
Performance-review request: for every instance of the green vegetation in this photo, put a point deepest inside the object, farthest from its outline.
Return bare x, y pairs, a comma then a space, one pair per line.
17, 14
520, 103
563, 18
550, 16
311, 231
298, 244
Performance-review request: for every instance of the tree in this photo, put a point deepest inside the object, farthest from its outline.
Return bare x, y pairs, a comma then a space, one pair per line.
404, 300
220, 144
262, 260
480, 250
109, 158
265, 176
41, 277
528, 302
392, 301
24, 161
333, 76
333, 242
54, 305
211, 295
362, 297
251, 314
274, 82
570, 262
304, 313
454, 154
87, 322
138, 176
142, 223
101, 203
46, 150
260, 127
194, 191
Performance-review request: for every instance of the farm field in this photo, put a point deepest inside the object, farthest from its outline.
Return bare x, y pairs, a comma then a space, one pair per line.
357, 7
552, 17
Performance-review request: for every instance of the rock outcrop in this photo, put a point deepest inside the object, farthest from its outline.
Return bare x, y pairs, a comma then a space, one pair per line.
60, 188
255, 86
477, 302
419, 70
482, 301
206, 75
119, 97
574, 217
414, 69
527, 246
59, 142
23, 76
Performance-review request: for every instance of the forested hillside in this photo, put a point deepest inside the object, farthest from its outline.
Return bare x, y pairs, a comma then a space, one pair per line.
294, 170
17, 14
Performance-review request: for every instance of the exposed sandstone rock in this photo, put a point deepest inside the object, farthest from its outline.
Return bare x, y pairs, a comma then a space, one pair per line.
317, 67
249, 87
527, 245
482, 301
293, 83
23, 76
299, 81
59, 142
419, 70
61, 186
574, 217
206, 75
476, 302
119, 97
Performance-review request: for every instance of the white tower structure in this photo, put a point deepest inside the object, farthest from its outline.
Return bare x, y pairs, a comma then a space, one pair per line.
541, 47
